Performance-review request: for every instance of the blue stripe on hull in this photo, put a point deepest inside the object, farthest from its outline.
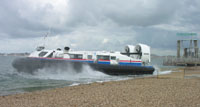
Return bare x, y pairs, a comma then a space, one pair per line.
89, 61
101, 62
130, 64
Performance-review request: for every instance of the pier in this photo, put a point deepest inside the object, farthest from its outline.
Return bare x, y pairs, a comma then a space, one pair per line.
187, 54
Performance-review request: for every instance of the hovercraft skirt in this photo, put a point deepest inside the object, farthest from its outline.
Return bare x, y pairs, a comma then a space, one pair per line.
31, 65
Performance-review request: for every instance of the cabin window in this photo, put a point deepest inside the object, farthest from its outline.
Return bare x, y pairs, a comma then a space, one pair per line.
50, 55
41, 54
113, 57
76, 56
89, 56
146, 53
103, 57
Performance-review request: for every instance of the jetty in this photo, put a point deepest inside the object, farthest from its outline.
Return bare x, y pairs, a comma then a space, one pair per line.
187, 54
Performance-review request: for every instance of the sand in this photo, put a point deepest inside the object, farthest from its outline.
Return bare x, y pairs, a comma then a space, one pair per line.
141, 92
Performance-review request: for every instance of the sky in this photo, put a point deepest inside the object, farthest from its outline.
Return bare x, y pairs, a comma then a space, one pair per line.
96, 24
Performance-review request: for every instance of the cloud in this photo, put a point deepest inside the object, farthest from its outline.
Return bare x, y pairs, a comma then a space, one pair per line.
96, 24
127, 12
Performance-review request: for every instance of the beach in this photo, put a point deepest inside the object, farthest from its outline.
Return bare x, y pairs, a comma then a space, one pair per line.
140, 92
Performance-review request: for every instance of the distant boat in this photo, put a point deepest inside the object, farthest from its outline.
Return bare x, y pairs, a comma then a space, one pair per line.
133, 61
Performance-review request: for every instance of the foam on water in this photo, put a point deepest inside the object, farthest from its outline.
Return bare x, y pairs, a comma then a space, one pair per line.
68, 74
159, 72
74, 84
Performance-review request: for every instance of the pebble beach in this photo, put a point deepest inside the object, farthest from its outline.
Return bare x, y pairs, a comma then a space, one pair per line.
140, 92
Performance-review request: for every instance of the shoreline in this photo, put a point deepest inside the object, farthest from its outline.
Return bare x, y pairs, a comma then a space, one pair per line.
147, 91
78, 84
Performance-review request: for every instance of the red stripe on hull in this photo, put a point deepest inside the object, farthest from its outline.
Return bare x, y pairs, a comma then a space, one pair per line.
63, 58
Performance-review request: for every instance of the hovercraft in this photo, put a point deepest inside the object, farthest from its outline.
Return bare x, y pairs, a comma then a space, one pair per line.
134, 60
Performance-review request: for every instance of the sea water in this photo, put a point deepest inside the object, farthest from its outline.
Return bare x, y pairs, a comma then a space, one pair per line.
12, 82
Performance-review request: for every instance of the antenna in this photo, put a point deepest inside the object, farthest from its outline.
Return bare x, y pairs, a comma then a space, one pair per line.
41, 47
45, 36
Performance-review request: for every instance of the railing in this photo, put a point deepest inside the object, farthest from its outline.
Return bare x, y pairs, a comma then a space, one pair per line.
169, 60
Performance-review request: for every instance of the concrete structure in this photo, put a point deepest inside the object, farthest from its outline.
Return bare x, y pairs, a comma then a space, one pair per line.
187, 54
